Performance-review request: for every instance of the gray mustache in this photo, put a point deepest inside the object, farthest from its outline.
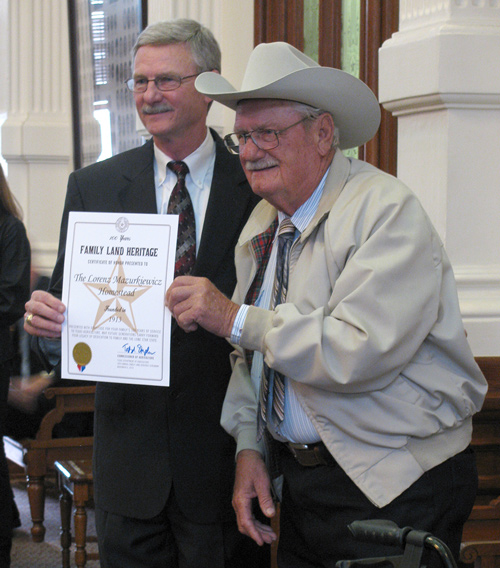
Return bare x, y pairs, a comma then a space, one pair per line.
260, 165
155, 109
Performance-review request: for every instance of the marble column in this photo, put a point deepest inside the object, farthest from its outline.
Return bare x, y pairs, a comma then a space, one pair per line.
440, 75
37, 132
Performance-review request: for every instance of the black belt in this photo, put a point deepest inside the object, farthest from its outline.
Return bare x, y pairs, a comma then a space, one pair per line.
310, 455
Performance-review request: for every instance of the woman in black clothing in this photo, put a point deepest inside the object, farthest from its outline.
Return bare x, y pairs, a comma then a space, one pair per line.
14, 292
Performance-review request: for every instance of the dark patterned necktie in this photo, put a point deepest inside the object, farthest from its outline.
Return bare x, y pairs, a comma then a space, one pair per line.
286, 232
180, 204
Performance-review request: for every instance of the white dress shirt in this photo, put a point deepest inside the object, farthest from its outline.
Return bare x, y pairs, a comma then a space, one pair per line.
198, 181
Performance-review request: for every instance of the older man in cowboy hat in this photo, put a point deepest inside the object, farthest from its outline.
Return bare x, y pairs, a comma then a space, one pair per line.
351, 360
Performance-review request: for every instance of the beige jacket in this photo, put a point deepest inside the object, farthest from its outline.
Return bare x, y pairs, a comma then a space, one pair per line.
371, 334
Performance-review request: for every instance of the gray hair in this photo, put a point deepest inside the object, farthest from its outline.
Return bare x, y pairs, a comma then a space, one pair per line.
313, 112
204, 47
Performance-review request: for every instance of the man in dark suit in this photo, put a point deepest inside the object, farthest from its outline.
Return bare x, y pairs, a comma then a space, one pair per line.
163, 466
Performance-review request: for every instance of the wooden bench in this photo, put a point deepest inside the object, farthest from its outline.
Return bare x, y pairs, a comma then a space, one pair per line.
481, 536
37, 456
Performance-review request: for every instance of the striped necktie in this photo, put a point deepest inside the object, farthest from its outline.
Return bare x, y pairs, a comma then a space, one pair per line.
180, 204
286, 232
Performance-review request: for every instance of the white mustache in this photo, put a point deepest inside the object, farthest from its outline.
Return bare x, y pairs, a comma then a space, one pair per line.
155, 109
261, 164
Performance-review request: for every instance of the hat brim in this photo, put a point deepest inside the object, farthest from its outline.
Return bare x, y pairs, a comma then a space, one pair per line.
355, 109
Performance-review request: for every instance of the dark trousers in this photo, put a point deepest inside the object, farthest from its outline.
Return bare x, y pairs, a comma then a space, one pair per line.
170, 540
6, 499
319, 503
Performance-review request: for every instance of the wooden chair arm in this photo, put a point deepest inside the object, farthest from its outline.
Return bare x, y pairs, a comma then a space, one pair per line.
51, 392
69, 400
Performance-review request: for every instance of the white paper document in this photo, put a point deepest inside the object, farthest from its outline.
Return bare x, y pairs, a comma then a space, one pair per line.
117, 269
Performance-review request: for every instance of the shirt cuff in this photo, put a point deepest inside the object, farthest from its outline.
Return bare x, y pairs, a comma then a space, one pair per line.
238, 324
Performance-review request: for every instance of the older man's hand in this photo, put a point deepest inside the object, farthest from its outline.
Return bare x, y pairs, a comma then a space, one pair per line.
44, 315
252, 481
195, 301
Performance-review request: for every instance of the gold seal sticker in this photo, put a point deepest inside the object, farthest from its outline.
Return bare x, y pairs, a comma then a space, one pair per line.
82, 354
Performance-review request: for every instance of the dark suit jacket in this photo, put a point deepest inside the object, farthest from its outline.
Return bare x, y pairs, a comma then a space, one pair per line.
147, 438
15, 259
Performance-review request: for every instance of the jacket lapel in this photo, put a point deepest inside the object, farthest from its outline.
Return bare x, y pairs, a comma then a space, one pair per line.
137, 194
226, 209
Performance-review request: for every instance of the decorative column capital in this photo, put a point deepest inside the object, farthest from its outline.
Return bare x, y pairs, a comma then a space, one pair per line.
437, 58
428, 13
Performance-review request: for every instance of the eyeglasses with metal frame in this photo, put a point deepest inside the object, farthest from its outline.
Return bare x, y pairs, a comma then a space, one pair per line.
263, 138
162, 82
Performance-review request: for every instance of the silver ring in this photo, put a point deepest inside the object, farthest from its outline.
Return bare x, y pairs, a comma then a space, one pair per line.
28, 319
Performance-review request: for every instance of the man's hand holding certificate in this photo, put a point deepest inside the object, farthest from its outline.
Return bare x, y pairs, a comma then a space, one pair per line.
116, 272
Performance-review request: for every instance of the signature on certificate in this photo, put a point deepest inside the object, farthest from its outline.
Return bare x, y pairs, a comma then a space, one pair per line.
138, 348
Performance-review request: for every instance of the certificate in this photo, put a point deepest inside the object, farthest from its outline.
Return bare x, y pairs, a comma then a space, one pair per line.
117, 269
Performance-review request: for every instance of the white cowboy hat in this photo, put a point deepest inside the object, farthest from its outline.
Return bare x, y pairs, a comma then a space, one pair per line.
280, 71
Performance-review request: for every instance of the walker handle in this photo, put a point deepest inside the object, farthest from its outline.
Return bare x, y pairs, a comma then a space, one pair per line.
380, 531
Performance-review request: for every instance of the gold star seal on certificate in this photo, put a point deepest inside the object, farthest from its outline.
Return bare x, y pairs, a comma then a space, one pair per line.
117, 302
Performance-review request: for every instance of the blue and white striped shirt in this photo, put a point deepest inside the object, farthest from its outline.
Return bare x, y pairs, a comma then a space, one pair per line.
296, 426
